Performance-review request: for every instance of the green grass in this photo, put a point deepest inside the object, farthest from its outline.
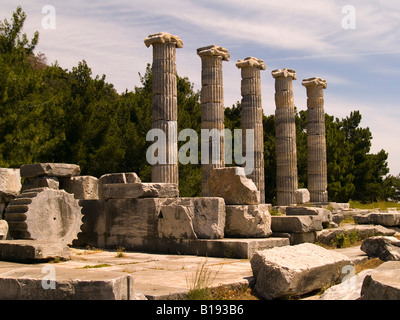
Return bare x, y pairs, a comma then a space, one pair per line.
381, 205
200, 282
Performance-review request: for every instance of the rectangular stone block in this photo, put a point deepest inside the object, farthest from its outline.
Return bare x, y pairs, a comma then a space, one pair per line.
83, 187
298, 224
49, 169
10, 183
51, 282
140, 190
205, 214
248, 221
28, 251
324, 214
296, 270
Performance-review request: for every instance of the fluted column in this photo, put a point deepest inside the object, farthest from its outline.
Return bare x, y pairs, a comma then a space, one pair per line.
316, 140
164, 102
212, 104
286, 151
251, 116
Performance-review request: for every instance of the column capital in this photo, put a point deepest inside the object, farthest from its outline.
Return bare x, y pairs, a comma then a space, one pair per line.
163, 37
251, 62
314, 82
284, 73
214, 50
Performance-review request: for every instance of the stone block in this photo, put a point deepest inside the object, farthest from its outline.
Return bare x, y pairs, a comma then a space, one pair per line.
3, 229
36, 283
324, 214
302, 196
40, 182
295, 270
233, 186
176, 221
296, 224
82, 187
383, 247
382, 283
123, 177
387, 219
349, 289
207, 214
28, 251
140, 190
49, 169
10, 183
248, 221
327, 236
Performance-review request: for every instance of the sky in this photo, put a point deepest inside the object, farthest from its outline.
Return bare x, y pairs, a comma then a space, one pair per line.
354, 45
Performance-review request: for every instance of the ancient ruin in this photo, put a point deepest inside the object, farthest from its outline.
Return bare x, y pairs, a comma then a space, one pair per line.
48, 211
252, 116
316, 141
165, 104
286, 150
212, 108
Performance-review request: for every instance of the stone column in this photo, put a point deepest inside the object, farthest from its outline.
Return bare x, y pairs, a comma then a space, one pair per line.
164, 102
252, 116
212, 105
316, 140
286, 151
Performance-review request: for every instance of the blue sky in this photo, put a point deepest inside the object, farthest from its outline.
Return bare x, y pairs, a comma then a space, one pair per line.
361, 65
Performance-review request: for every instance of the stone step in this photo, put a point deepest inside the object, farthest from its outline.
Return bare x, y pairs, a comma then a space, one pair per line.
28, 251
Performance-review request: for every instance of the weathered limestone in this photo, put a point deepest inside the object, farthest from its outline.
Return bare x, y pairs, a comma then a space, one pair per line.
247, 221
382, 283
316, 141
111, 178
296, 224
29, 251
251, 116
193, 218
324, 214
49, 169
327, 236
82, 187
286, 151
295, 270
10, 183
233, 186
139, 190
10, 187
37, 283
349, 289
383, 247
176, 222
302, 196
387, 219
212, 108
164, 103
44, 214
3, 229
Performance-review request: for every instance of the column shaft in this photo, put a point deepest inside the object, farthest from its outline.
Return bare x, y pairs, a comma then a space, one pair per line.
164, 101
251, 116
316, 141
212, 104
286, 151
